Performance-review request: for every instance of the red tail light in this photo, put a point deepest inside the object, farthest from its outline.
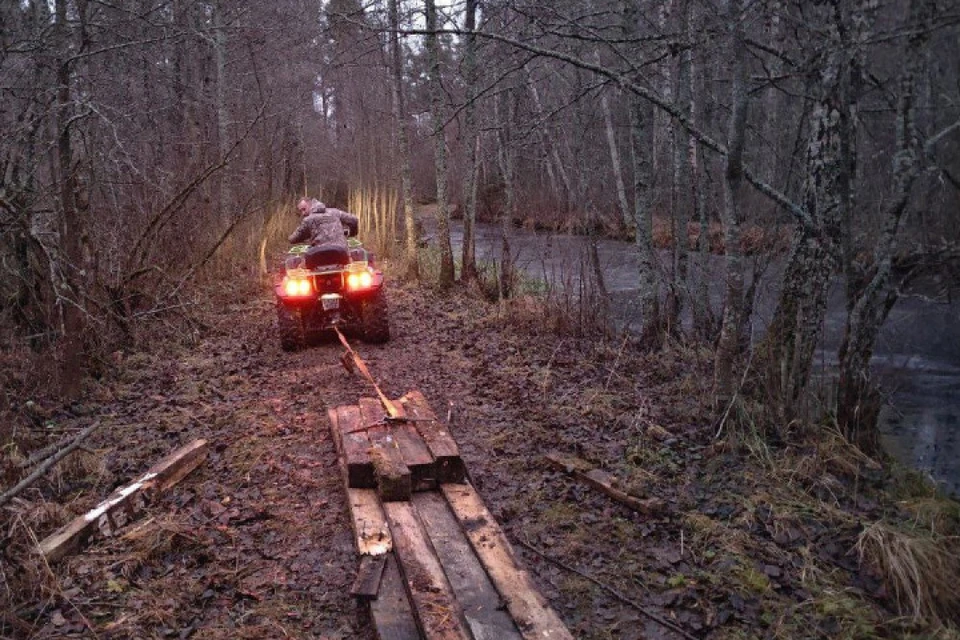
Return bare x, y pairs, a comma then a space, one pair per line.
359, 280
297, 287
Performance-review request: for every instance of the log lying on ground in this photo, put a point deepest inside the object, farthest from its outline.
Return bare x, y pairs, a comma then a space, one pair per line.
604, 482
160, 477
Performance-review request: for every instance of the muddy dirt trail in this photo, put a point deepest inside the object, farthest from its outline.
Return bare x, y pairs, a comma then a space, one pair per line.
256, 542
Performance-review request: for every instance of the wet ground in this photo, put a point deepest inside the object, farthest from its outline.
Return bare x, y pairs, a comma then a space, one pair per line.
256, 543
917, 358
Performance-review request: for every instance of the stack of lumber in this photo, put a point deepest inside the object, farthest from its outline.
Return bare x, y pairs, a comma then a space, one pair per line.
434, 563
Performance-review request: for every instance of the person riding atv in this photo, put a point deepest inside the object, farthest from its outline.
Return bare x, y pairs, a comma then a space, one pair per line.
322, 225
329, 281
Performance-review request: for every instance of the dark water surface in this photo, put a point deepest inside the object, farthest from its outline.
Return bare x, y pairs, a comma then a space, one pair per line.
917, 357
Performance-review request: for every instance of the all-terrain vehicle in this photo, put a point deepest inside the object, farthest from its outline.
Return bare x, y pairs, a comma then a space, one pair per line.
327, 286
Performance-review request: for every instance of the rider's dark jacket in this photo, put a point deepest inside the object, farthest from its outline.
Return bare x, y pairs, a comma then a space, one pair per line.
324, 226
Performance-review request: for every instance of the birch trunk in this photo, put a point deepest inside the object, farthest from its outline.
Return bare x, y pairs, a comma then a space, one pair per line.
551, 148
818, 252
703, 319
403, 144
447, 274
858, 402
728, 349
641, 123
624, 207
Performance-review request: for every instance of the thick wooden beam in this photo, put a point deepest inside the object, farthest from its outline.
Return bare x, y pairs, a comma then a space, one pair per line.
392, 475
160, 477
416, 455
603, 482
436, 608
532, 614
392, 614
355, 443
441, 444
481, 604
371, 533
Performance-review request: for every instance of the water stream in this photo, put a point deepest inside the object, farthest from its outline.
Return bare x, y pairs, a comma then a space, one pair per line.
917, 357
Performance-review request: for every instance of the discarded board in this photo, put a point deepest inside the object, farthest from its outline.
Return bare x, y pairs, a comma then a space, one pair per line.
532, 614
441, 444
435, 607
603, 482
160, 477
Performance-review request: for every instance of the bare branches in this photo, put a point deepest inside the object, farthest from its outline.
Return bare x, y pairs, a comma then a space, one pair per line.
47, 464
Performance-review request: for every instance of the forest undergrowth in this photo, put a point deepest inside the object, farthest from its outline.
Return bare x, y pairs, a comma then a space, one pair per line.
805, 538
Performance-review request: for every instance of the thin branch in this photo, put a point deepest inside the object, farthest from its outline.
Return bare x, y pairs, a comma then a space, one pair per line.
47, 465
616, 594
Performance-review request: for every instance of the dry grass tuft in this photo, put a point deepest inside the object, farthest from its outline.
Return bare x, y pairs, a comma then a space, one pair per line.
921, 570
27, 577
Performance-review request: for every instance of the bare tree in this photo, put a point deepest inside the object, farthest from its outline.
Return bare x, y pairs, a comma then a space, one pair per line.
447, 274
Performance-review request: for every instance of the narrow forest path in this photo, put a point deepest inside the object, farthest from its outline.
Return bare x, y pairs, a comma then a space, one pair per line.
256, 542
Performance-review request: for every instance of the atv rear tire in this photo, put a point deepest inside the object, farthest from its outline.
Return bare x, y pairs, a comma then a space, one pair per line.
375, 324
290, 324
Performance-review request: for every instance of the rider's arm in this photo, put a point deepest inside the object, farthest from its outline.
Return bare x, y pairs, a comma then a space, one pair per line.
350, 221
302, 233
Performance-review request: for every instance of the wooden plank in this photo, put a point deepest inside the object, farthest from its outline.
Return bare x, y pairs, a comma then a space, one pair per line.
356, 448
392, 614
332, 414
603, 482
436, 608
393, 476
481, 604
416, 455
370, 529
366, 585
371, 411
160, 477
530, 611
442, 446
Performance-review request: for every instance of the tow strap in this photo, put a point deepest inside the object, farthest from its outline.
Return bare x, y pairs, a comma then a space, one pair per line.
392, 411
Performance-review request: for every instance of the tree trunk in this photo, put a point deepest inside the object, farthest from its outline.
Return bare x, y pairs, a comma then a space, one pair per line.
67, 276
223, 116
447, 274
728, 349
403, 144
858, 402
472, 137
624, 207
641, 126
503, 107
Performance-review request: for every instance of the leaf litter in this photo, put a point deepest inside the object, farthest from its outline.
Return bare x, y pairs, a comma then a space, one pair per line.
256, 542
